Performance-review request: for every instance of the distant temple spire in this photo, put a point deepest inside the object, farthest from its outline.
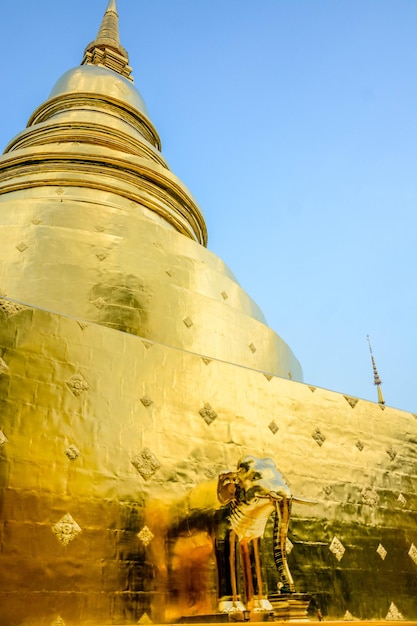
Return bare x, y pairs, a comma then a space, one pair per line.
106, 50
377, 380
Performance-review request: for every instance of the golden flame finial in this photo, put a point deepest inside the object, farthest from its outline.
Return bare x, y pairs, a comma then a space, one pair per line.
106, 50
377, 380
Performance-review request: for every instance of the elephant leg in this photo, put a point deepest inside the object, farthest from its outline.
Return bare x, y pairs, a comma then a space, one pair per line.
247, 573
232, 562
282, 517
262, 604
258, 567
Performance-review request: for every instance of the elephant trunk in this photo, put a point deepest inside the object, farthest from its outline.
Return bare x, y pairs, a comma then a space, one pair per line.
282, 517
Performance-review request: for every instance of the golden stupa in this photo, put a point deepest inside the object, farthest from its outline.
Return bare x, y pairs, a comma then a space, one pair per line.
139, 383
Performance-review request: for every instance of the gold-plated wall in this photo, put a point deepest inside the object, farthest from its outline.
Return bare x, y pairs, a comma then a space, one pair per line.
111, 445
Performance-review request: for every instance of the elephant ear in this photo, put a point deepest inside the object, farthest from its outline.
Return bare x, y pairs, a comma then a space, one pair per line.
226, 487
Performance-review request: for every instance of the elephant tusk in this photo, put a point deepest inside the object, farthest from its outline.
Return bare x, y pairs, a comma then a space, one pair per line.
303, 500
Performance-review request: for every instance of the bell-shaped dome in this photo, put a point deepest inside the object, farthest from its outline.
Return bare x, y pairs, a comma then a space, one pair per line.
100, 81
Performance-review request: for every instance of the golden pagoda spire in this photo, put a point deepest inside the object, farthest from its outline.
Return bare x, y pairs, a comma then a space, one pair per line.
377, 380
106, 50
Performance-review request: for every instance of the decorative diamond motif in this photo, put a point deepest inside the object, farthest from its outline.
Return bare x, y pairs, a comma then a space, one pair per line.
59, 191
318, 437
402, 500
312, 389
146, 463
146, 536
369, 496
58, 621
145, 620
188, 322
337, 548
268, 377
99, 229
168, 272
66, 529
381, 551
101, 255
327, 490
147, 344
224, 295
146, 401
72, 453
352, 401
77, 385
273, 427
391, 453
36, 221
360, 446
22, 247
206, 361
208, 414
99, 303
393, 613
3, 366
3, 438
412, 553
82, 325
11, 308
252, 348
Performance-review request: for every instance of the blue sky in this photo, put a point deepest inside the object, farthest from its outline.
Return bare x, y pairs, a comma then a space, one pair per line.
294, 124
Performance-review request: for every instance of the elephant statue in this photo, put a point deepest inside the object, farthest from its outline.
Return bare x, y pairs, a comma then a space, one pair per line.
254, 491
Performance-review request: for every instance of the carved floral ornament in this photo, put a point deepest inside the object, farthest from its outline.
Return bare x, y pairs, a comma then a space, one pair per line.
208, 413
77, 385
4, 368
146, 463
412, 553
337, 548
369, 496
66, 529
273, 427
393, 613
10, 308
3, 439
391, 453
318, 437
402, 500
72, 452
381, 551
146, 401
145, 536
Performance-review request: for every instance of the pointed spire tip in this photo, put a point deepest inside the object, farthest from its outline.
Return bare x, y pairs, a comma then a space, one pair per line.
106, 49
111, 6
